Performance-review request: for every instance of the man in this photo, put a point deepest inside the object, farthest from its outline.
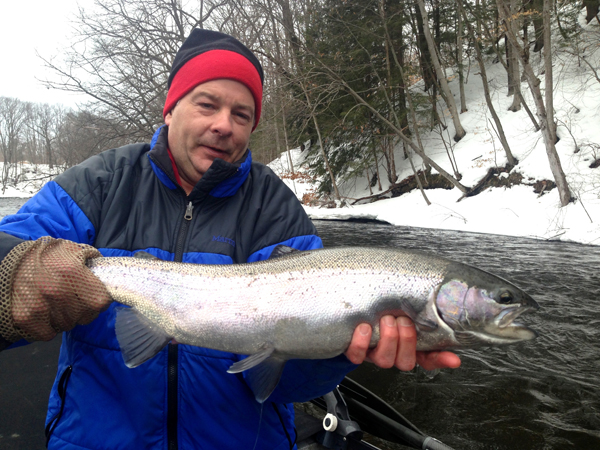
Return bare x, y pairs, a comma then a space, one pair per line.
192, 195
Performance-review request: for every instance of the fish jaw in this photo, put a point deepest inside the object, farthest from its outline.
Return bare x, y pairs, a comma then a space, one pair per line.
505, 327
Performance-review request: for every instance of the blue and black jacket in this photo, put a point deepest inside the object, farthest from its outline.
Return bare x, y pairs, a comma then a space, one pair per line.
127, 200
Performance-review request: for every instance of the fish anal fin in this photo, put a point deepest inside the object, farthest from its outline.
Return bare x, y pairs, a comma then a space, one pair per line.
251, 361
264, 377
138, 337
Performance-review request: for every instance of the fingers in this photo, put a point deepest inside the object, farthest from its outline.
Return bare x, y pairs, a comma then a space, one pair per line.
385, 354
397, 347
406, 357
357, 351
438, 360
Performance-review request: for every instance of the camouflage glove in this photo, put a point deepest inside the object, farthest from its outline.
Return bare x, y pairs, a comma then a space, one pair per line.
46, 288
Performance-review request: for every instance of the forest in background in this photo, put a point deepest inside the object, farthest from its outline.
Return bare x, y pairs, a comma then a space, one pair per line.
359, 81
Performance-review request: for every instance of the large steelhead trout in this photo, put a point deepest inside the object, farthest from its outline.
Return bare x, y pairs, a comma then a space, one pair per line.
306, 305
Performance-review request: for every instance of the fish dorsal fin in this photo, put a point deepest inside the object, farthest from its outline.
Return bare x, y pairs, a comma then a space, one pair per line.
251, 361
145, 255
138, 338
282, 250
264, 377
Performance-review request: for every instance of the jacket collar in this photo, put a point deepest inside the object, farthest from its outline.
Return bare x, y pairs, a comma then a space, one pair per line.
222, 179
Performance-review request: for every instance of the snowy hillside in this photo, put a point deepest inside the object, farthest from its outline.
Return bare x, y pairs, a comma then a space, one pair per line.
516, 210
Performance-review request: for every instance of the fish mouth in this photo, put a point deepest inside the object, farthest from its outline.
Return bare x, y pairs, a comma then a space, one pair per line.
506, 328
508, 316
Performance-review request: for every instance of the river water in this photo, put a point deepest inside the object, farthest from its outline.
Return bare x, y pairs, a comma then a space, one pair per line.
543, 394
540, 395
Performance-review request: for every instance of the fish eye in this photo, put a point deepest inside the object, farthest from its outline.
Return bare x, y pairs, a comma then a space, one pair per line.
505, 297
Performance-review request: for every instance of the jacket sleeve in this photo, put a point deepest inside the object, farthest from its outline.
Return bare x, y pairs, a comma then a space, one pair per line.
51, 212
287, 224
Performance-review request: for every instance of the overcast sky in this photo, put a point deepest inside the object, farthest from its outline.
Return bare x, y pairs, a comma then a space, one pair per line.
27, 26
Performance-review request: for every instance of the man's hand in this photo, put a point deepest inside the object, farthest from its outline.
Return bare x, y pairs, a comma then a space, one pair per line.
46, 288
397, 347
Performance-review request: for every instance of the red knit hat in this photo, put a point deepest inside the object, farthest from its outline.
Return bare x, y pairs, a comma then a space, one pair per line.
209, 55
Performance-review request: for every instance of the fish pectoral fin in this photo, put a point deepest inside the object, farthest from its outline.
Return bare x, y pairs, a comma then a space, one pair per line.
264, 377
423, 323
251, 361
138, 338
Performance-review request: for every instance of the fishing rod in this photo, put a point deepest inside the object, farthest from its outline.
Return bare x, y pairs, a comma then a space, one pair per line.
341, 429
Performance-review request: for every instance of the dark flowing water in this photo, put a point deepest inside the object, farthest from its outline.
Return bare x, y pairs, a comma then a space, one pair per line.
540, 395
544, 394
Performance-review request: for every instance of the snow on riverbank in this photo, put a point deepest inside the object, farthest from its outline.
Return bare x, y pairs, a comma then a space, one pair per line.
515, 211
25, 179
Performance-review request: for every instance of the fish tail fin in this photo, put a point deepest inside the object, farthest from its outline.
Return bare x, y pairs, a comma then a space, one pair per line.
264, 372
138, 338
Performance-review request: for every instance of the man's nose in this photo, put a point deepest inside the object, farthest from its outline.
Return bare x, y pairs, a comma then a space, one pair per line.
222, 122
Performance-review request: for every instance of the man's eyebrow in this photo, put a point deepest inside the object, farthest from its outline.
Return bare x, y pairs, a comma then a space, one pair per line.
216, 98
207, 95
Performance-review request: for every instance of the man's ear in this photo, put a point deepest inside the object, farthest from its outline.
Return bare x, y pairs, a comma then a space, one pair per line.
168, 118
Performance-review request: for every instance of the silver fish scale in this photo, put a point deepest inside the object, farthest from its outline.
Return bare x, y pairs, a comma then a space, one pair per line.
305, 305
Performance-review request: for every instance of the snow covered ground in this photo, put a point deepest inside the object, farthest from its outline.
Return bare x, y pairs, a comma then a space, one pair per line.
25, 179
516, 211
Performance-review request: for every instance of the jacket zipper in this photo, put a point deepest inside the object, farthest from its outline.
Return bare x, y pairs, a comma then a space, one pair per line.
173, 356
172, 397
187, 219
62, 394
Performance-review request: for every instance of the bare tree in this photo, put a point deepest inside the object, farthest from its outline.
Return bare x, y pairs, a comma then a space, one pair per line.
45, 121
13, 113
122, 55
447, 94
514, 75
459, 60
486, 89
546, 124
488, 35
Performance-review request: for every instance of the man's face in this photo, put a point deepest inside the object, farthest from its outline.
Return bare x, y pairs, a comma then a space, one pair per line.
214, 120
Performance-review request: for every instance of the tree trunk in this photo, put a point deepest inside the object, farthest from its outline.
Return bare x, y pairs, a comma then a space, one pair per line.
591, 8
325, 159
538, 25
548, 79
525, 58
323, 153
429, 76
376, 167
287, 144
513, 62
459, 130
546, 127
486, 90
459, 59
